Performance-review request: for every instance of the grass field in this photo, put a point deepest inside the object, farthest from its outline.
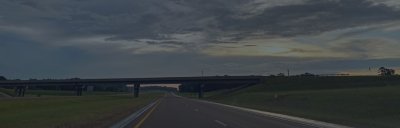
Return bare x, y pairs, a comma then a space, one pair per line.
35, 93
321, 83
7, 91
346, 101
63, 112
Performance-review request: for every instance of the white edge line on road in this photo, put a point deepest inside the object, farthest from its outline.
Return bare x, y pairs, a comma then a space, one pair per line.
304, 121
123, 123
5, 95
221, 123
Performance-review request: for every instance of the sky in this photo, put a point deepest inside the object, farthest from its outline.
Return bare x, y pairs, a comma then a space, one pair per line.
161, 38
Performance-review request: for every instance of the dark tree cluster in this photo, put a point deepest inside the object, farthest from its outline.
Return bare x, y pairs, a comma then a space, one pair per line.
307, 74
3, 78
386, 71
278, 75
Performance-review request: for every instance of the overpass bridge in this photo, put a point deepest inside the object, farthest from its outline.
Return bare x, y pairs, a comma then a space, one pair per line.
21, 85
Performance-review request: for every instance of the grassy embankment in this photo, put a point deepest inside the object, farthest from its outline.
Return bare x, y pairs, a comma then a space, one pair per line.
8, 92
86, 111
35, 93
354, 101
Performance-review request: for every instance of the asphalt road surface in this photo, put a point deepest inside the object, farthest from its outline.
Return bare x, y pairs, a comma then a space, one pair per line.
176, 112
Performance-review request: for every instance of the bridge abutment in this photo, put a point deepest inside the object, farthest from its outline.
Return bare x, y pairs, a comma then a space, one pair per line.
201, 91
20, 91
78, 90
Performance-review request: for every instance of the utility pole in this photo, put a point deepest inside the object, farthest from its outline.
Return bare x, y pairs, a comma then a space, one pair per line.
288, 72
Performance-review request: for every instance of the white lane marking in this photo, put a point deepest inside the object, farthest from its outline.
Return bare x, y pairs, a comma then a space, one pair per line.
123, 123
309, 122
221, 123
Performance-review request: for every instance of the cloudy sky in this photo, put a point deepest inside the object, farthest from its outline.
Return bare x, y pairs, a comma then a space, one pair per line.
150, 38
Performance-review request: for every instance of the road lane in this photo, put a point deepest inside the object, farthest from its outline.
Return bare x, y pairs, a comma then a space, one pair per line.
177, 112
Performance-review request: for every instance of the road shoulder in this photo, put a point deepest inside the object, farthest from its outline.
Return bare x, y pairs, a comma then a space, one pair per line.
309, 122
135, 116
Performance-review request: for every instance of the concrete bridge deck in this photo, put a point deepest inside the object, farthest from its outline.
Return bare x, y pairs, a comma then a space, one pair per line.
20, 85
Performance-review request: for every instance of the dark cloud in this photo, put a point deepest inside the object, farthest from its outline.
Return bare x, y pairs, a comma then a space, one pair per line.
362, 30
25, 59
165, 42
366, 48
299, 50
313, 17
250, 45
226, 42
156, 19
51, 38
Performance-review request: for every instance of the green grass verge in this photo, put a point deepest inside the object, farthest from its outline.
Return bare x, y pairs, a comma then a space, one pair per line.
67, 93
9, 92
30, 93
360, 107
329, 82
86, 111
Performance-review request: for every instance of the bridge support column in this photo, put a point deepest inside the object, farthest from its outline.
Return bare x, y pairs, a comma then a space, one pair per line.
136, 87
78, 89
20, 91
23, 91
201, 91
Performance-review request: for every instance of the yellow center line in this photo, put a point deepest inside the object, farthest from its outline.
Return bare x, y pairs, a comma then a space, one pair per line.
147, 115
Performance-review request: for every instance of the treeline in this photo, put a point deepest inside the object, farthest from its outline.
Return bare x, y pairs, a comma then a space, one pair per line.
109, 87
327, 82
3, 78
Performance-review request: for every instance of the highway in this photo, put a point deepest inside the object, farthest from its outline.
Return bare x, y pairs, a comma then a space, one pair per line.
177, 112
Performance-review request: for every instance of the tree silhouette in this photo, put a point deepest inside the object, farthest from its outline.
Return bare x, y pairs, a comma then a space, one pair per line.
3, 78
386, 71
281, 74
307, 74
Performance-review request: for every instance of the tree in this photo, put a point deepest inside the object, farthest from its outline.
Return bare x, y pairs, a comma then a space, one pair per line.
280, 74
3, 78
386, 71
307, 74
